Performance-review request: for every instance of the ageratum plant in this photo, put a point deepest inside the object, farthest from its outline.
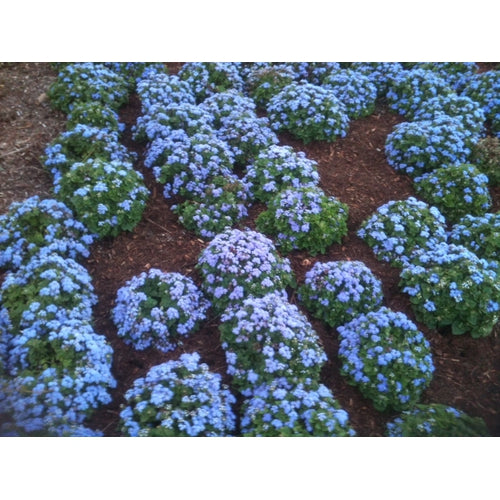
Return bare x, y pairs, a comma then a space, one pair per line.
265, 338
456, 190
94, 114
222, 104
486, 157
415, 148
480, 234
33, 224
179, 398
450, 286
304, 218
385, 355
309, 112
224, 202
456, 74
399, 227
436, 420
277, 167
380, 74
107, 196
290, 408
239, 263
158, 309
337, 291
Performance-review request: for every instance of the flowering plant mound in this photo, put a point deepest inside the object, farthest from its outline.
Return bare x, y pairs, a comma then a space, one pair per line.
436, 420
456, 190
107, 196
456, 74
418, 147
179, 398
354, 89
304, 218
461, 107
134, 71
280, 166
263, 83
94, 114
266, 338
208, 78
314, 72
309, 112
398, 227
239, 263
337, 291
480, 234
187, 164
380, 74
33, 224
222, 104
451, 286
386, 357
289, 408
87, 82
47, 287
408, 89
81, 143
157, 309
223, 203
486, 157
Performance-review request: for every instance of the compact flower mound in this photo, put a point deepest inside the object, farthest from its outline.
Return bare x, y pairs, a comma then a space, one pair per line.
486, 157
450, 286
304, 218
262, 83
380, 74
277, 167
239, 263
337, 291
107, 196
415, 148
292, 409
399, 227
385, 355
158, 309
94, 114
309, 112
480, 234
266, 338
33, 224
456, 74
223, 104
457, 190
179, 398
436, 420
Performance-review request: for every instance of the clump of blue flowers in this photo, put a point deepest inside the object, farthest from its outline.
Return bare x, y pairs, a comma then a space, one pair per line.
421, 146
456, 74
385, 355
277, 167
107, 196
309, 112
222, 104
436, 420
291, 408
304, 218
158, 309
266, 338
380, 74
337, 291
238, 263
179, 398
456, 190
33, 224
263, 83
94, 114
398, 227
450, 286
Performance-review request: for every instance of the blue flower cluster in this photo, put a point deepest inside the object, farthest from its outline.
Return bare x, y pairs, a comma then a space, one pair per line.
179, 398
94, 114
309, 112
449, 285
337, 291
222, 104
354, 89
399, 227
456, 74
239, 263
265, 81
456, 190
158, 309
35, 224
380, 74
304, 218
267, 337
287, 407
436, 420
385, 355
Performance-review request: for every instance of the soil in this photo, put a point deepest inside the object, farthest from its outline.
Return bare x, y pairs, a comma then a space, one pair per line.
354, 169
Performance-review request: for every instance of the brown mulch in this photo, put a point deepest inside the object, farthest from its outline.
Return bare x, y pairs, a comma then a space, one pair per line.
353, 169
